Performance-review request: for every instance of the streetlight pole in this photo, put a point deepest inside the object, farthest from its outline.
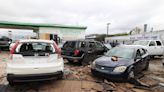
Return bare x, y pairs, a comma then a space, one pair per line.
107, 28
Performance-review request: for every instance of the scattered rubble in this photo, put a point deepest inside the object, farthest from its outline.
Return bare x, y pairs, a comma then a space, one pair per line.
79, 79
144, 84
78, 73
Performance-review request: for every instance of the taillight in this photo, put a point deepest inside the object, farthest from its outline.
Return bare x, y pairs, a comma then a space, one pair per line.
56, 48
13, 49
76, 52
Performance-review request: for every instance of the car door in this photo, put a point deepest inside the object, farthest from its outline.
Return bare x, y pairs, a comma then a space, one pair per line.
91, 47
82, 46
152, 48
138, 62
144, 58
159, 48
91, 51
100, 49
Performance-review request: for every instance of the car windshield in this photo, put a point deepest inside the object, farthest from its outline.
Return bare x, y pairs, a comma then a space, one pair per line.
141, 43
121, 52
108, 46
69, 44
29, 49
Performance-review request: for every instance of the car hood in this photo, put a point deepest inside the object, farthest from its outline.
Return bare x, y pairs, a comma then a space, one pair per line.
106, 61
142, 46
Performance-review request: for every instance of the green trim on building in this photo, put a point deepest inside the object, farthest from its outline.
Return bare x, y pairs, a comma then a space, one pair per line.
40, 25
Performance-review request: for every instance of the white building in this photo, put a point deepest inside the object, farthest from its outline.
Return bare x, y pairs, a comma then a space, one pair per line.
54, 32
155, 35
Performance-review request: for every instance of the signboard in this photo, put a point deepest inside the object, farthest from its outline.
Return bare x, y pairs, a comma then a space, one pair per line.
146, 37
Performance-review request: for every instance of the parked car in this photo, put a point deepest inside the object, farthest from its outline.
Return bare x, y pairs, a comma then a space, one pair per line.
34, 60
121, 63
4, 41
154, 47
82, 51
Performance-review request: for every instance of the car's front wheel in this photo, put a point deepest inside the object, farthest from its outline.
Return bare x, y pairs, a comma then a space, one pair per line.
11, 83
131, 75
147, 66
70, 61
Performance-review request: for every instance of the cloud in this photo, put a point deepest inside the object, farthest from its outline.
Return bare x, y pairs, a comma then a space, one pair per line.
123, 15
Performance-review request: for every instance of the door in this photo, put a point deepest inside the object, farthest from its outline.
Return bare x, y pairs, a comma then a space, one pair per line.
54, 37
82, 47
138, 62
144, 59
100, 48
159, 48
91, 48
91, 51
152, 48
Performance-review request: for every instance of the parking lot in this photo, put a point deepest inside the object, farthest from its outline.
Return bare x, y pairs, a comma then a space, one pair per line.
79, 79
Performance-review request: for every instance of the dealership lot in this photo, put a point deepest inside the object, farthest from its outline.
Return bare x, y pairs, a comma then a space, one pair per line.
79, 79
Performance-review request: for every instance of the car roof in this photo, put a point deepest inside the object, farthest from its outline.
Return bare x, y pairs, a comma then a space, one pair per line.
35, 40
83, 40
148, 40
131, 46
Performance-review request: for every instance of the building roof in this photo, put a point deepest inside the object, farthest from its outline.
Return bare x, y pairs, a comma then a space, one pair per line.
41, 25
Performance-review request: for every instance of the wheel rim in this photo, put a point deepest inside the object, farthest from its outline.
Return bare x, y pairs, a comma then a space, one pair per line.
131, 74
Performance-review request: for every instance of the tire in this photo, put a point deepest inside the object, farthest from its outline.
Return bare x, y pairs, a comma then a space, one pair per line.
60, 78
11, 83
131, 75
70, 61
147, 66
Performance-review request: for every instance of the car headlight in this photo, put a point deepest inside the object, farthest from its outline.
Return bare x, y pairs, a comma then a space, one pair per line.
120, 69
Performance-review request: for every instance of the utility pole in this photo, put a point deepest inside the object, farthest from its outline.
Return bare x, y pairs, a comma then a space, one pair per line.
107, 28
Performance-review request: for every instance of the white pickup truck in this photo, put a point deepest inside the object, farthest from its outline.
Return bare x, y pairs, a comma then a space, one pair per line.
154, 47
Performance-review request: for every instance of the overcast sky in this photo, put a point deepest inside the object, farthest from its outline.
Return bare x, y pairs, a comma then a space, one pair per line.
123, 15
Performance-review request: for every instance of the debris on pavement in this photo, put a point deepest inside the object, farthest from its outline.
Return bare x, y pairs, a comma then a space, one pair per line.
161, 84
79, 79
86, 85
148, 82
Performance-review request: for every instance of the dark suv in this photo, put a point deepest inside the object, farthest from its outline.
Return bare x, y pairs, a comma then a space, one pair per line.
4, 42
82, 51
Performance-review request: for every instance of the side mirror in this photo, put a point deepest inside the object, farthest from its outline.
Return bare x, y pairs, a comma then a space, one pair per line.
105, 49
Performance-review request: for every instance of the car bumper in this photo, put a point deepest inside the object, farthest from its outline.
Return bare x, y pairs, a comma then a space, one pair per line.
34, 77
4, 46
72, 58
110, 75
19, 68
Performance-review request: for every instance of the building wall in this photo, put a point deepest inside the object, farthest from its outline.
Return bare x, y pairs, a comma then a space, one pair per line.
64, 33
155, 35
45, 36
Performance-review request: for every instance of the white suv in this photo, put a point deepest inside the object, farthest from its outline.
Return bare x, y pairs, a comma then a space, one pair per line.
34, 60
